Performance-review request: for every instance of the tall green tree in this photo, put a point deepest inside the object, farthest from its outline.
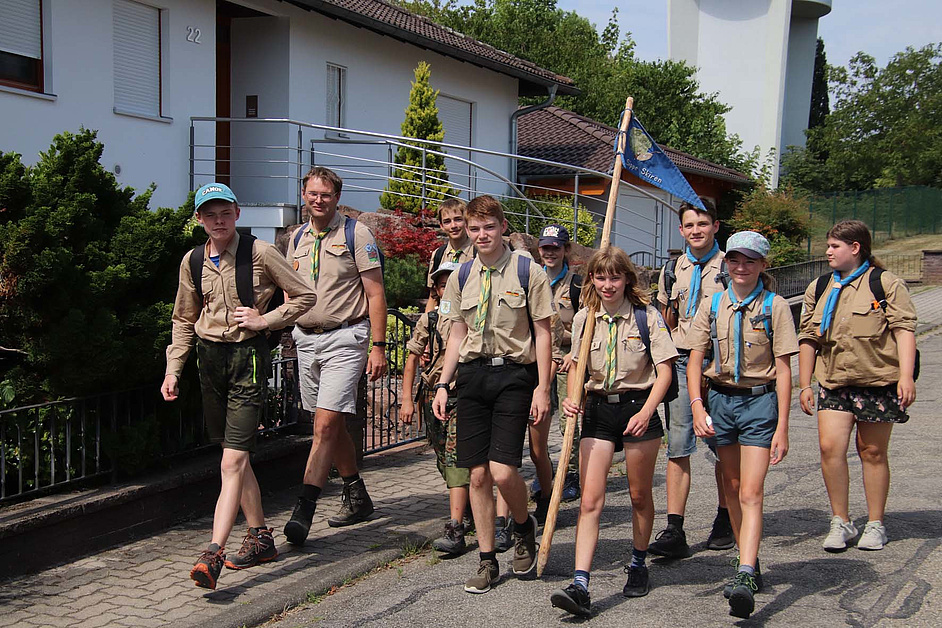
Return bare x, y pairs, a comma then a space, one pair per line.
820, 106
885, 128
87, 275
411, 189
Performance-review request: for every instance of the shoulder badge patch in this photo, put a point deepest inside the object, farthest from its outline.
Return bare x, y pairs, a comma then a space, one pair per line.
445, 307
372, 253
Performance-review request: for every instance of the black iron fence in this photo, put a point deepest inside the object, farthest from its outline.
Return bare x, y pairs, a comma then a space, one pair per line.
793, 280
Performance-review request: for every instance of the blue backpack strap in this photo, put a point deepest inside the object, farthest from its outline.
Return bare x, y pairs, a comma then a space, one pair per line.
523, 273
297, 236
350, 238
765, 317
641, 320
714, 310
464, 271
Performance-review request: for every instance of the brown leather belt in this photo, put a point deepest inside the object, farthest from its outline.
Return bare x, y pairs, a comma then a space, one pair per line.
324, 330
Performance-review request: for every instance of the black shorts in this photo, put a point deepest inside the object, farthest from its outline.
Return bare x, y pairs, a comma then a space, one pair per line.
493, 411
607, 421
868, 404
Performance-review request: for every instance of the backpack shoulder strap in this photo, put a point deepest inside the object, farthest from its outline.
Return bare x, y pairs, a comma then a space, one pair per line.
641, 320
435, 341
244, 278
876, 287
765, 316
196, 269
670, 275
575, 292
297, 236
820, 286
437, 257
464, 271
350, 234
714, 310
523, 273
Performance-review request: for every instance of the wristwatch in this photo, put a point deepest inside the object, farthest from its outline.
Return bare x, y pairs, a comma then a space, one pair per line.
379, 343
441, 385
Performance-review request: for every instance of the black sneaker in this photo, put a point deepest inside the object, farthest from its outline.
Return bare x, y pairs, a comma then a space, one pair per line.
670, 542
542, 508
258, 546
524, 561
571, 491
638, 584
573, 600
355, 505
721, 536
486, 576
728, 589
742, 599
503, 534
453, 540
205, 572
299, 525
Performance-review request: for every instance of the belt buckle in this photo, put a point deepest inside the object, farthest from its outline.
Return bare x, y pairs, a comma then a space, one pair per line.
316, 330
497, 361
616, 398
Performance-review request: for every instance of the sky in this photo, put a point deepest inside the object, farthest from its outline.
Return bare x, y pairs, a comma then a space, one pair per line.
880, 28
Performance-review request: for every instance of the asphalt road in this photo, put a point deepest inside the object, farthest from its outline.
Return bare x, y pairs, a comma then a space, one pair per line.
805, 586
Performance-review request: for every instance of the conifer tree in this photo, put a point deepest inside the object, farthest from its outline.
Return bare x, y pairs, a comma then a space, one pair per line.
406, 189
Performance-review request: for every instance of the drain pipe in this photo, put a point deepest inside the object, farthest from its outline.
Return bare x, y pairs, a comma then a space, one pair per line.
551, 96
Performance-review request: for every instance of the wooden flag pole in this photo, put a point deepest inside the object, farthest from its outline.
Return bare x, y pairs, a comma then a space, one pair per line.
579, 367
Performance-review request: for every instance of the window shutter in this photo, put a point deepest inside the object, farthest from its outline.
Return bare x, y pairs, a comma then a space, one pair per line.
335, 94
455, 116
20, 30
136, 58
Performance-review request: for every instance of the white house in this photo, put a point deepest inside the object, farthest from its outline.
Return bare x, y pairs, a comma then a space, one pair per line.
139, 72
759, 56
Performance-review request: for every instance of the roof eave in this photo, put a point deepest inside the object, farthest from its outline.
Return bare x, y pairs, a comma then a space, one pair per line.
530, 84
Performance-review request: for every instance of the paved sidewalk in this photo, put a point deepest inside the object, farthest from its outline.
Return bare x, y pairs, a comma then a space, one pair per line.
147, 584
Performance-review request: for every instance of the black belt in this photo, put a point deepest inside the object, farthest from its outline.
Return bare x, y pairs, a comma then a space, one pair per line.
628, 395
324, 330
743, 392
493, 362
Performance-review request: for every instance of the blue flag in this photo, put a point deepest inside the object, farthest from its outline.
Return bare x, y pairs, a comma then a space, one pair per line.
644, 159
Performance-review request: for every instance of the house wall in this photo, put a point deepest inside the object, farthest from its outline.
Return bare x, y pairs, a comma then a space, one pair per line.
78, 61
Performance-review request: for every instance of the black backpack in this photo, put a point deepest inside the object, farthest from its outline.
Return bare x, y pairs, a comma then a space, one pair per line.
641, 319
244, 280
879, 295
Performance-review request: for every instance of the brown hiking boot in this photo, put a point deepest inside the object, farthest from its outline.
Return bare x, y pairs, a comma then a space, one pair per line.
258, 546
206, 570
355, 505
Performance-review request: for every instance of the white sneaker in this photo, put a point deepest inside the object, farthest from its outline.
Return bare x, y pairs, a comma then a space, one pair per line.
873, 537
840, 533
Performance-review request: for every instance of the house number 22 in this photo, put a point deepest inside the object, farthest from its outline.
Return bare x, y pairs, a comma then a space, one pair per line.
193, 35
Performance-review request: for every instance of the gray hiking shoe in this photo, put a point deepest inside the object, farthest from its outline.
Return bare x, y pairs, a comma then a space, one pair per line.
355, 505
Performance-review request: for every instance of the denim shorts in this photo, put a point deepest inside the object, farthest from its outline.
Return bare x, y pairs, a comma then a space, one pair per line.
681, 441
744, 419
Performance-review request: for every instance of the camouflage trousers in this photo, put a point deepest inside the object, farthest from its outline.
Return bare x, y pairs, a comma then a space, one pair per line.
443, 437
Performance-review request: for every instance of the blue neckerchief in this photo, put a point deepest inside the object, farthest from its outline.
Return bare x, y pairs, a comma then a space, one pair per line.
693, 298
562, 274
831, 304
738, 307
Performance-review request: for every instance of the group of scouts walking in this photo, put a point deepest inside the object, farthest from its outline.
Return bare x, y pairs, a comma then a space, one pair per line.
495, 346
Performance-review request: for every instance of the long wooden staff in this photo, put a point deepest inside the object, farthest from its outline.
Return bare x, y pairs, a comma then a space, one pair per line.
588, 330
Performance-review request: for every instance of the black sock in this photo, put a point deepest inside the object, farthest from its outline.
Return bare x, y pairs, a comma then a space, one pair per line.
311, 492
351, 479
722, 513
524, 528
676, 520
492, 556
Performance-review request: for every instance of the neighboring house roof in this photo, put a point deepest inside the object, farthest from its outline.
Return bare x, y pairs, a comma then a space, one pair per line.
396, 22
559, 135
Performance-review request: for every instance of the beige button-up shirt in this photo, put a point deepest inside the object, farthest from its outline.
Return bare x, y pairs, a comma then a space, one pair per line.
681, 292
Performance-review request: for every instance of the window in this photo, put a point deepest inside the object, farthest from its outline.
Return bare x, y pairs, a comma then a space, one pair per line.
336, 95
21, 44
136, 58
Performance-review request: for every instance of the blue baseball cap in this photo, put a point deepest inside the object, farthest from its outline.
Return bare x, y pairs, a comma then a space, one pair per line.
213, 192
554, 235
749, 243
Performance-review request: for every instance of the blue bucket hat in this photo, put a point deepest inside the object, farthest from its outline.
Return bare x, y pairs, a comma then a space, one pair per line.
749, 243
212, 192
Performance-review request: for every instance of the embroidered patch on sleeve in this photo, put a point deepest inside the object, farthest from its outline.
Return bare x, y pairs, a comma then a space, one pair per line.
372, 253
445, 307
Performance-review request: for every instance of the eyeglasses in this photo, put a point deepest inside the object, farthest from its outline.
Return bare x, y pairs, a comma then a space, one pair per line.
319, 197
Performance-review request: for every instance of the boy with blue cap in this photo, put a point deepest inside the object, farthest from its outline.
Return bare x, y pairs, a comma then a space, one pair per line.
227, 327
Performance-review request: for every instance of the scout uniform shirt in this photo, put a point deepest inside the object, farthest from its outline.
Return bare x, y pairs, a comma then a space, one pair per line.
213, 319
757, 364
340, 295
506, 332
684, 270
458, 256
421, 338
859, 348
562, 303
634, 367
